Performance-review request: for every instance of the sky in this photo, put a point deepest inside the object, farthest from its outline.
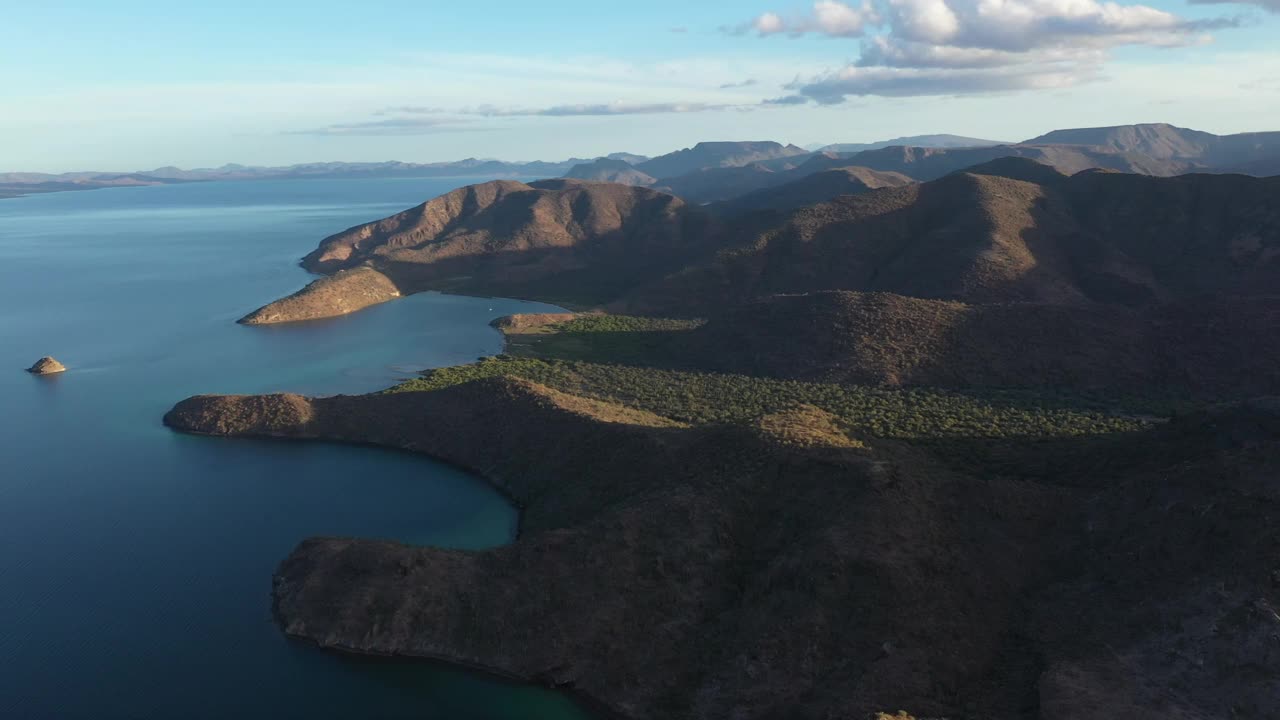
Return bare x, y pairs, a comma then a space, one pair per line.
133, 85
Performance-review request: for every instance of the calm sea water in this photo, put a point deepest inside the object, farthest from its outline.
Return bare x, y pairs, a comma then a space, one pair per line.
135, 563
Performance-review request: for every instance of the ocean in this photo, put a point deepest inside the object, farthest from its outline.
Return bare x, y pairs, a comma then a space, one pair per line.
135, 563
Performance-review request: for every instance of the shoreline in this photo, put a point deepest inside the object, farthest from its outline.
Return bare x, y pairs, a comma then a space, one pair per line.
598, 707
351, 290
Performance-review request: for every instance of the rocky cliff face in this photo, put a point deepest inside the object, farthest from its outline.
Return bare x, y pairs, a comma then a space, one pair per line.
784, 569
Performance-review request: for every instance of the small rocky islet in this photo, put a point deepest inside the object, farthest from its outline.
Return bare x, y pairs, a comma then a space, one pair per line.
47, 366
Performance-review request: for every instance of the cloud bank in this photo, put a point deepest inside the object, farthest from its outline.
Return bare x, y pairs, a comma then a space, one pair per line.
427, 120
953, 47
1272, 5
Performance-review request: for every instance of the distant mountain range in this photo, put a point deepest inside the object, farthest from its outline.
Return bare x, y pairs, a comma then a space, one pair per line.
22, 183
1159, 150
720, 171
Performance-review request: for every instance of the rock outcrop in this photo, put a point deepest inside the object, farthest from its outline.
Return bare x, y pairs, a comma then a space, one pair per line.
784, 568
46, 366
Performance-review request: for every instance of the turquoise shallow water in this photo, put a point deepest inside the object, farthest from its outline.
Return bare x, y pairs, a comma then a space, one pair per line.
135, 563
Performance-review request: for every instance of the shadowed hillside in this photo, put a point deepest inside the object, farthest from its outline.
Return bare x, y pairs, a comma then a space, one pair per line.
1093, 237
781, 567
1167, 142
1010, 231
715, 154
932, 163
1203, 349
608, 170
757, 179
813, 188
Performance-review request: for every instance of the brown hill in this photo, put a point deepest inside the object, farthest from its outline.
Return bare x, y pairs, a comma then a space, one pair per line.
707, 155
722, 184
562, 239
608, 170
933, 163
1162, 141
713, 184
1158, 140
1096, 236
977, 237
779, 569
813, 188
1205, 348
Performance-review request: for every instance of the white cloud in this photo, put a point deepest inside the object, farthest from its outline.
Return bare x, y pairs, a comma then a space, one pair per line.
906, 82
841, 20
928, 21
592, 109
392, 126
938, 47
618, 108
423, 120
829, 17
768, 23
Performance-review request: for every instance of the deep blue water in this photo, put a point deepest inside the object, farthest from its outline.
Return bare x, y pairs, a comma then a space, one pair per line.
135, 563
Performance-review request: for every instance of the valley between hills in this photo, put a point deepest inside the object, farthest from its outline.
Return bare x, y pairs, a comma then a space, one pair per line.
964, 432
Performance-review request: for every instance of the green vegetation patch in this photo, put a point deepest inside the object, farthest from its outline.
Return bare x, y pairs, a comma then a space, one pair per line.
625, 323
703, 397
622, 339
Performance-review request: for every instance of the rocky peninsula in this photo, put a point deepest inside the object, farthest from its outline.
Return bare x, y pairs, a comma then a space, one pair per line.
565, 241
786, 567
975, 447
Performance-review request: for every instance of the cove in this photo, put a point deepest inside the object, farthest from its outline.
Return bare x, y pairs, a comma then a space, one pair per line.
136, 563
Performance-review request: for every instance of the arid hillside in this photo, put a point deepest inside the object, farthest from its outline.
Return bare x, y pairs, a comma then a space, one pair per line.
574, 241
1013, 230
813, 188
759, 179
976, 237
1204, 348
716, 154
1168, 142
609, 170
932, 163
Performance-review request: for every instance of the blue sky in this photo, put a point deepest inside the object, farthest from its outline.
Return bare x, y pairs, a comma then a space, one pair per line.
135, 85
